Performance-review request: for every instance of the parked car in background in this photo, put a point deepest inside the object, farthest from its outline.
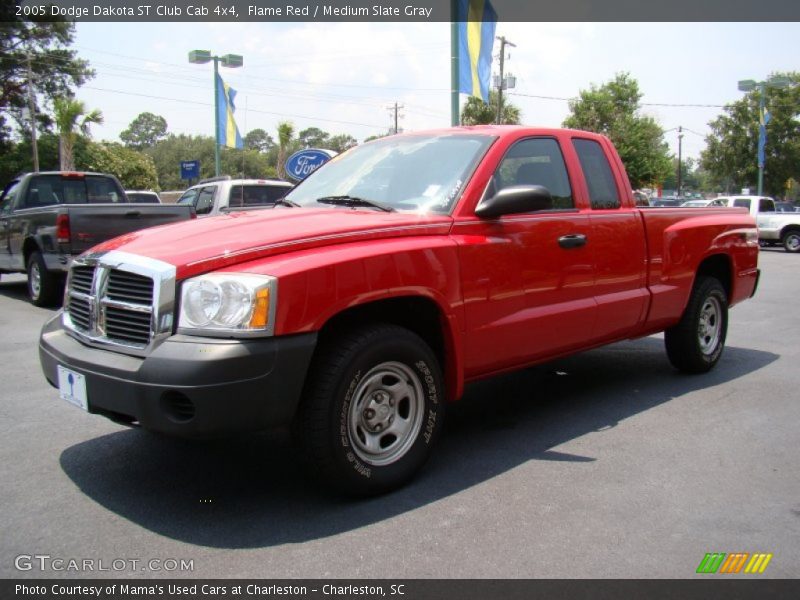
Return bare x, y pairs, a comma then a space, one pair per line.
641, 199
143, 197
703, 203
48, 218
223, 194
774, 227
667, 201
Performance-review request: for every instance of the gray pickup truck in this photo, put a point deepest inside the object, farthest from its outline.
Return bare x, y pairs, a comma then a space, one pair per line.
48, 218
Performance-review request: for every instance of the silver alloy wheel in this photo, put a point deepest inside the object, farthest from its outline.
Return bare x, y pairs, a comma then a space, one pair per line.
35, 279
793, 242
709, 328
385, 413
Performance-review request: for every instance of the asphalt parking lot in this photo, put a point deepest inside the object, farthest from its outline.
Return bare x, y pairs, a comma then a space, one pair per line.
605, 464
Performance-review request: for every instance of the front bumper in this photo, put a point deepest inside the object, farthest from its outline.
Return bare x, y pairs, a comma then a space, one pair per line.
188, 386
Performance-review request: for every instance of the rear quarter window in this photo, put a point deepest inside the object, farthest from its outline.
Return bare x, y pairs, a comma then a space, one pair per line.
603, 192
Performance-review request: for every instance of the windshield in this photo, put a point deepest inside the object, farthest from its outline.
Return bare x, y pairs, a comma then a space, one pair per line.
407, 173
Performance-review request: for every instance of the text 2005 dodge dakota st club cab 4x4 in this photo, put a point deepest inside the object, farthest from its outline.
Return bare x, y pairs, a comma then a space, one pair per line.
402, 269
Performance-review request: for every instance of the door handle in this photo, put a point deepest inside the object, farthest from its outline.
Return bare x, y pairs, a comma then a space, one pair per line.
574, 240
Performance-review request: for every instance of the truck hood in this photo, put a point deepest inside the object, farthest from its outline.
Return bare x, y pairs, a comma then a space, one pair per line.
203, 245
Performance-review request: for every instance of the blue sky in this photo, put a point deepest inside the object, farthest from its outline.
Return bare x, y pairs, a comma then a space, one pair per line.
342, 77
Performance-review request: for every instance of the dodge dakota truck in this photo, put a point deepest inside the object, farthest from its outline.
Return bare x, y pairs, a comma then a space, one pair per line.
359, 308
47, 218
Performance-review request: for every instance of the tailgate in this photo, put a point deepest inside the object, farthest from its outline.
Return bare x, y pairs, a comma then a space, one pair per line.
91, 224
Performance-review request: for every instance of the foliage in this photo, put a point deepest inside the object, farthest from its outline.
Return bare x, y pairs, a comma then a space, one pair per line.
477, 112
71, 119
376, 137
134, 169
314, 137
56, 69
260, 140
612, 109
693, 177
169, 152
340, 143
144, 131
285, 134
732, 147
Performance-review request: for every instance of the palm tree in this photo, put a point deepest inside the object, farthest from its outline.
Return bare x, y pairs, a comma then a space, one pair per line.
478, 112
71, 117
285, 133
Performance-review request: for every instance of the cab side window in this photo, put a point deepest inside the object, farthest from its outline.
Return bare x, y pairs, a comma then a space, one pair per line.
766, 205
536, 161
603, 192
205, 201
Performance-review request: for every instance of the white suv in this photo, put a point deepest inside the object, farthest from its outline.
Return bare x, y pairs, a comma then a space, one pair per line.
223, 194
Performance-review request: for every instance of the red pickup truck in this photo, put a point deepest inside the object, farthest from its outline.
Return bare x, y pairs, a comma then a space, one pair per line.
359, 307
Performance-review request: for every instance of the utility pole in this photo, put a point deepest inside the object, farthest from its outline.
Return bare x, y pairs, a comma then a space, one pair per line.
502, 83
680, 140
32, 111
395, 109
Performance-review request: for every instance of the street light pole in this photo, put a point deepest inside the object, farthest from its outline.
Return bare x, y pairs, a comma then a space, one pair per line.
200, 57
680, 139
748, 85
503, 43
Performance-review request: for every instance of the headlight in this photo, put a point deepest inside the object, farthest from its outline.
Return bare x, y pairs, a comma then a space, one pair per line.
228, 304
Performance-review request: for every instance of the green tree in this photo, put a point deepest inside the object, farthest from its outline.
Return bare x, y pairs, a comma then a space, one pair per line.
341, 142
613, 109
56, 69
135, 170
732, 147
478, 112
285, 135
376, 137
314, 137
144, 131
260, 140
169, 152
71, 119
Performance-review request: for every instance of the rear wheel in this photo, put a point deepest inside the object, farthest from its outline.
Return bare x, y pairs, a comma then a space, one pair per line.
43, 286
695, 344
791, 241
372, 409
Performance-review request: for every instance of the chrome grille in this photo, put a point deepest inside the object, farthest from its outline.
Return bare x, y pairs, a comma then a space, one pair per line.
129, 287
127, 325
82, 278
120, 300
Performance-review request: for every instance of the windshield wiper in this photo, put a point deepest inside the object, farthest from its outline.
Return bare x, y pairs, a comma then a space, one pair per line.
286, 202
354, 201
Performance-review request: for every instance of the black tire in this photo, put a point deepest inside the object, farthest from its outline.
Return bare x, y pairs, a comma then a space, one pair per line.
696, 343
43, 286
372, 409
791, 240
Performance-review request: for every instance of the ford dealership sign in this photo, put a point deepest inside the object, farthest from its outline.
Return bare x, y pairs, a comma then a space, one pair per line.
301, 164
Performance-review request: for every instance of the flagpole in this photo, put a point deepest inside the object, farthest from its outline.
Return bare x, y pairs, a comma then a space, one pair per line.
454, 108
216, 116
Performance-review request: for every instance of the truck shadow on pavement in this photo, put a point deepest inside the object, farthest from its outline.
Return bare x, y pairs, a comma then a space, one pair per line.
253, 492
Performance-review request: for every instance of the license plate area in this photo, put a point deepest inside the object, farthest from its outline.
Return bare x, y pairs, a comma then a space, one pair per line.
72, 387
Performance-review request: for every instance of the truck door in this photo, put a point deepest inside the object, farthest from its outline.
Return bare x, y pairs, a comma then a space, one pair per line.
527, 278
618, 245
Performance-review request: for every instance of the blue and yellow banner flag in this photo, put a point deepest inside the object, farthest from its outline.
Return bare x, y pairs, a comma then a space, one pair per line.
476, 24
228, 131
763, 120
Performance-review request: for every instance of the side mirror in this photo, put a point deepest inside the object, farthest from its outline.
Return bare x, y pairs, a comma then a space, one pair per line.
515, 199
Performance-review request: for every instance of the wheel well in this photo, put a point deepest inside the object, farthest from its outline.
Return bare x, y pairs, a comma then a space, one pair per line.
415, 313
28, 248
719, 267
789, 228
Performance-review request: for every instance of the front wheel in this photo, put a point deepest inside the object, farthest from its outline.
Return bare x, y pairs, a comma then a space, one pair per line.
43, 286
372, 409
791, 241
695, 344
